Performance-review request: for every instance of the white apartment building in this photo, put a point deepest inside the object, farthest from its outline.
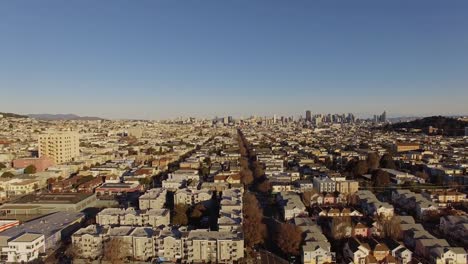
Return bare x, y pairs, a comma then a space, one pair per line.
25, 248
60, 146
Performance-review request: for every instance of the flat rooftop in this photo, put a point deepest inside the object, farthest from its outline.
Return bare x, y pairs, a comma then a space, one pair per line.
47, 225
52, 198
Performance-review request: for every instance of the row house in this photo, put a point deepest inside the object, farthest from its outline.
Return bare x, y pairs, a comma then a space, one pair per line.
291, 205
372, 251
316, 249
444, 198
345, 212
372, 206
414, 201
231, 210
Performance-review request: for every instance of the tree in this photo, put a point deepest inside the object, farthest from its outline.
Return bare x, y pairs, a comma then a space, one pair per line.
258, 169
116, 250
151, 151
31, 169
341, 227
423, 175
390, 227
373, 161
360, 168
264, 186
352, 199
197, 211
288, 237
8, 175
180, 215
255, 230
2, 166
145, 181
387, 162
246, 176
380, 178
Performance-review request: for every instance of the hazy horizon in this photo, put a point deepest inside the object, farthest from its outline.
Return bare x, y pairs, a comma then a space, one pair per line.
165, 59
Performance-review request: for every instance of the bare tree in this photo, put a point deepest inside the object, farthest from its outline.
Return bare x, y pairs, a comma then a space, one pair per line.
288, 237
255, 230
116, 250
389, 227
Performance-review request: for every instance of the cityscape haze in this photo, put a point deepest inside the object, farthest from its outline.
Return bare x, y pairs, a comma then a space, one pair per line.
125, 60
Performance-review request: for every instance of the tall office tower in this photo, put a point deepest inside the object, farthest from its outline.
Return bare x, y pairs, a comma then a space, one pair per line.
59, 146
308, 116
383, 117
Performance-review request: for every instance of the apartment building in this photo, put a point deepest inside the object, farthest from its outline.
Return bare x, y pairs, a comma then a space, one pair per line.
87, 242
190, 197
24, 248
132, 217
153, 199
212, 246
324, 184
144, 243
347, 187
61, 147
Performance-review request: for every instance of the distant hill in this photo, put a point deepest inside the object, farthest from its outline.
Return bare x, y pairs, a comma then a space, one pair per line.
13, 115
63, 117
439, 125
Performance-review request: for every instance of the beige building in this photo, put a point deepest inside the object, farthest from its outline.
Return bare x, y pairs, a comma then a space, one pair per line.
211, 246
190, 197
132, 217
145, 243
59, 146
348, 186
153, 199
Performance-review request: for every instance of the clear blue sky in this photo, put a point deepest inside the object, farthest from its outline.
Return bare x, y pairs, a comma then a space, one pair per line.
158, 59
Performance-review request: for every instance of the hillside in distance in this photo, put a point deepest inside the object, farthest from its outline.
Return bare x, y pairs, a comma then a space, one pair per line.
13, 115
63, 117
437, 125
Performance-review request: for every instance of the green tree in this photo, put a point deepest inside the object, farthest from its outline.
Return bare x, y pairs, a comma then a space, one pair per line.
31, 169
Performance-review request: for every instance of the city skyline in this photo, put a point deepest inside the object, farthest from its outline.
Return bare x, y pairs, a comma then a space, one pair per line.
165, 59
